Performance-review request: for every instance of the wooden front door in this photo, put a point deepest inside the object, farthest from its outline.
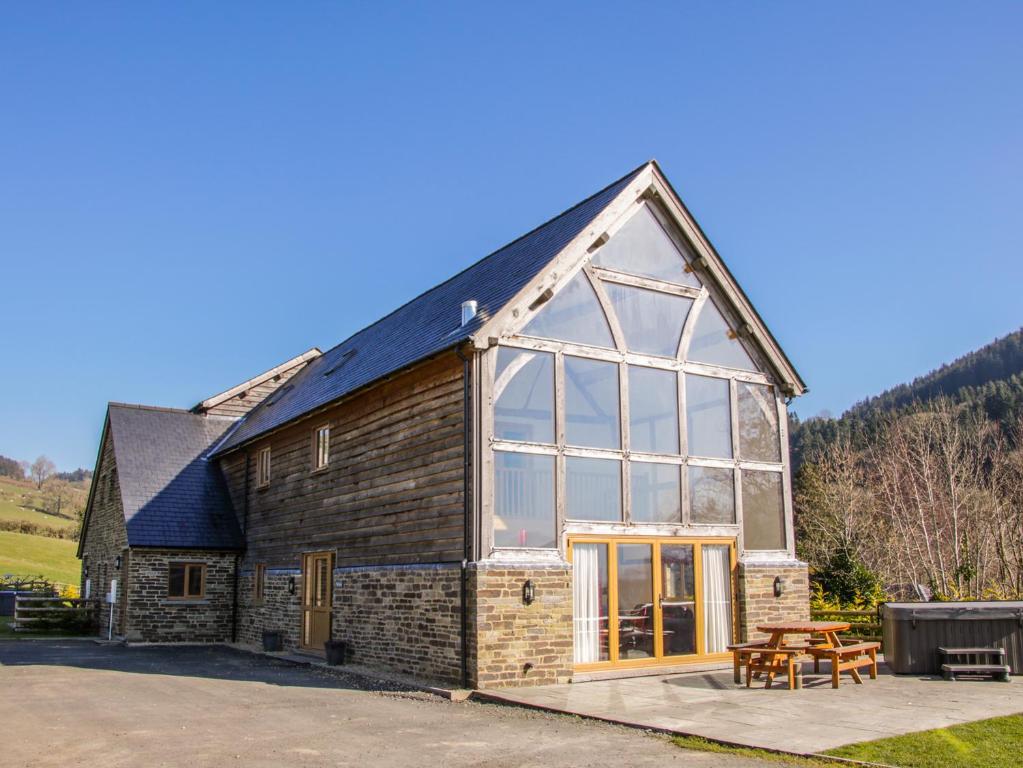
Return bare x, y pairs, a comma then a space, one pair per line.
317, 593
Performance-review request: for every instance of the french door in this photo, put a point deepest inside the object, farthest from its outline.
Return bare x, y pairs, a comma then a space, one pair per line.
640, 601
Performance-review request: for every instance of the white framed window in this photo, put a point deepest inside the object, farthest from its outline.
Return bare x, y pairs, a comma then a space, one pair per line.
321, 447
263, 468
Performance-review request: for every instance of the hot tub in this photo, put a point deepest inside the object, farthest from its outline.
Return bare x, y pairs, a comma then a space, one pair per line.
913, 632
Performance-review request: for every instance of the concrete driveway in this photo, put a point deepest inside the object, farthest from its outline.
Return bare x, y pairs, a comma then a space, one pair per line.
76, 703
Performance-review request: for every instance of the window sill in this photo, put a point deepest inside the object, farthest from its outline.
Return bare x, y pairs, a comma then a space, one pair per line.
320, 470
185, 601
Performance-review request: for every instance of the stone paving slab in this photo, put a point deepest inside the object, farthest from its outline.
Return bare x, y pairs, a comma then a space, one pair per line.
807, 721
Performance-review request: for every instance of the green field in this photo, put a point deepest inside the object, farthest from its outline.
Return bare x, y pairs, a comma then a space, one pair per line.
20, 502
27, 555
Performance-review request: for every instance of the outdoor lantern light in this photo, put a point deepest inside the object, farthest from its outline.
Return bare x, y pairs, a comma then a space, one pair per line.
117, 562
528, 592
291, 585
779, 586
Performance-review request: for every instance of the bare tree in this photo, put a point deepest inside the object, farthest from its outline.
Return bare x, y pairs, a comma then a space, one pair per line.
41, 470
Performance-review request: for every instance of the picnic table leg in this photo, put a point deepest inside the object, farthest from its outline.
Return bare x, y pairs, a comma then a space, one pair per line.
792, 673
873, 663
736, 666
834, 671
856, 676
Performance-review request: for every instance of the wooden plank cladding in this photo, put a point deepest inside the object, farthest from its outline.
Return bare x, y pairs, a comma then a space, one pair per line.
392, 492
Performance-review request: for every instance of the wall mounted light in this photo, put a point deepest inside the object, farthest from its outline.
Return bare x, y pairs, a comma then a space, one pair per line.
291, 585
117, 563
528, 592
779, 586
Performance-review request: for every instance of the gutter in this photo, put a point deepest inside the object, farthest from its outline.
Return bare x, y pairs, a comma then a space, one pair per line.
238, 557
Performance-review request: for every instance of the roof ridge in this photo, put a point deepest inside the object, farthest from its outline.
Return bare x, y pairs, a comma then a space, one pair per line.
509, 244
166, 409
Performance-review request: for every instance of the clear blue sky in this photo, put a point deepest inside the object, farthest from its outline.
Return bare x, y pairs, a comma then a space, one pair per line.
192, 192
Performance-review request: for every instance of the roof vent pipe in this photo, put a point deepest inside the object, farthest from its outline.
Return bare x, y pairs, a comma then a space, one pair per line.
468, 310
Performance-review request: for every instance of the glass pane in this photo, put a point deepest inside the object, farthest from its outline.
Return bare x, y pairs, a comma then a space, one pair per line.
708, 417
524, 396
593, 489
591, 403
678, 608
715, 343
642, 247
574, 314
635, 601
763, 510
195, 580
590, 603
523, 500
717, 598
758, 423
652, 321
176, 582
653, 410
712, 495
656, 496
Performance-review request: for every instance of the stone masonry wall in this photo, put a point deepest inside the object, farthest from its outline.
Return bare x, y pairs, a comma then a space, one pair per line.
104, 539
278, 611
757, 603
514, 644
405, 619
153, 617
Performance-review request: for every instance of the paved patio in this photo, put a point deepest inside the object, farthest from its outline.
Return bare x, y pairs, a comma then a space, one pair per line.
804, 721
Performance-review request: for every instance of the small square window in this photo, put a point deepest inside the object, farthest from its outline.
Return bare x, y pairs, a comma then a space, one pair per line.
186, 580
259, 583
263, 468
321, 447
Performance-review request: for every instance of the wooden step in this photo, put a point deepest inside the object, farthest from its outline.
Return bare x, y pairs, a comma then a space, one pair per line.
972, 651
1001, 671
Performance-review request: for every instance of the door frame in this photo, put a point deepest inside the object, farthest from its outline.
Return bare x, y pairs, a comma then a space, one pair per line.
308, 558
658, 659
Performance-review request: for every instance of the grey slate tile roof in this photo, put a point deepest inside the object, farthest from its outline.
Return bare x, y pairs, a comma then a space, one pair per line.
425, 326
173, 495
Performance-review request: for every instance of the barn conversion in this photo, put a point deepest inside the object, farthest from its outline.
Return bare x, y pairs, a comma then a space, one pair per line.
569, 458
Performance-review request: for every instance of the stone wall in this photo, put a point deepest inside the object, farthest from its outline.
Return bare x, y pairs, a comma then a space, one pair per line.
757, 603
514, 644
104, 540
279, 610
153, 617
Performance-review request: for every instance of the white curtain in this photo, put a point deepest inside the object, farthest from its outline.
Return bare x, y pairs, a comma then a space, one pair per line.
717, 598
586, 602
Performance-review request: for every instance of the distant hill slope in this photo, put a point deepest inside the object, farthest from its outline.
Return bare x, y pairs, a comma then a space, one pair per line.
1001, 360
987, 382
27, 552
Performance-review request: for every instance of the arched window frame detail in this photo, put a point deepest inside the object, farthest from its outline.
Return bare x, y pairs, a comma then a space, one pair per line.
598, 277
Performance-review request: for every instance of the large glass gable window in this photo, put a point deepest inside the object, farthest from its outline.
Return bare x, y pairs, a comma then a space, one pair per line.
642, 247
715, 343
524, 396
573, 315
652, 321
597, 420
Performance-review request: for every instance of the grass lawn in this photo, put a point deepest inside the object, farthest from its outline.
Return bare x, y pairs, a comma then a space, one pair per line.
989, 743
993, 743
27, 555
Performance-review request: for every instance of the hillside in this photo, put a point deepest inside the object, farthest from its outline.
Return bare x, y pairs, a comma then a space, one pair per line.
34, 539
987, 383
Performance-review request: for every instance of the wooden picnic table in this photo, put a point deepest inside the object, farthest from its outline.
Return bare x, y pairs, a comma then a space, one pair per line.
776, 656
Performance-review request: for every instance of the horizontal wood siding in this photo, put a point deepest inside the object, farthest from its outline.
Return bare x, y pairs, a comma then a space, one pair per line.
242, 403
392, 493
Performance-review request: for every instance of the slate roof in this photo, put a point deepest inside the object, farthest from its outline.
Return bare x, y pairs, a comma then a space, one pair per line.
173, 495
425, 326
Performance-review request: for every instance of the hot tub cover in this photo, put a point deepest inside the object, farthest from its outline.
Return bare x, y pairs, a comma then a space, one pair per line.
967, 610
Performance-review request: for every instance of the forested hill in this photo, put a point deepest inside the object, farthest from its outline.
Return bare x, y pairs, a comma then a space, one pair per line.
962, 379
988, 382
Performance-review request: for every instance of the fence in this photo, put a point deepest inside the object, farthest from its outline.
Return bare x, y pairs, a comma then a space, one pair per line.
865, 624
33, 613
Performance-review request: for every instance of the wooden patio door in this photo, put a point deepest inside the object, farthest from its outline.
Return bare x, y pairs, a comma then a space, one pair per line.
317, 593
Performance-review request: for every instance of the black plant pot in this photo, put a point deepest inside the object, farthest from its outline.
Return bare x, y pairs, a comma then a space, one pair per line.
335, 652
272, 641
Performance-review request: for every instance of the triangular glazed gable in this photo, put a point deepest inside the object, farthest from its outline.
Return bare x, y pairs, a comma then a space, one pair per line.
624, 227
